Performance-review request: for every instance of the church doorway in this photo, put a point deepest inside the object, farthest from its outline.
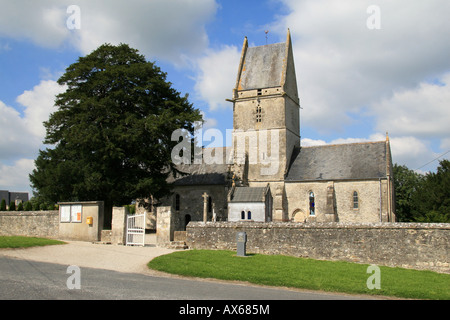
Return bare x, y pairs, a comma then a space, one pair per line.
298, 216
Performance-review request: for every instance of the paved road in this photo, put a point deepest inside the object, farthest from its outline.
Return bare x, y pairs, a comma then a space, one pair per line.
24, 279
118, 272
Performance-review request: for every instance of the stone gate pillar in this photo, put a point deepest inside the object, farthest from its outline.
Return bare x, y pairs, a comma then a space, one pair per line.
118, 225
165, 226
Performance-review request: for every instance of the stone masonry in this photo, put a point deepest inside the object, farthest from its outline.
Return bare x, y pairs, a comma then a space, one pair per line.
408, 245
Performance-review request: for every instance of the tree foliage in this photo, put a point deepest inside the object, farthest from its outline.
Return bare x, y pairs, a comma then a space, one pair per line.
111, 134
406, 183
422, 198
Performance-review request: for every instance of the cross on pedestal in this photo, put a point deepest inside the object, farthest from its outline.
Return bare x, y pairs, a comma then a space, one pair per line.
205, 207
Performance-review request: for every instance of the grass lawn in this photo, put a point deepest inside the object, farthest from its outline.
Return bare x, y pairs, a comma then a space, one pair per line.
25, 242
304, 273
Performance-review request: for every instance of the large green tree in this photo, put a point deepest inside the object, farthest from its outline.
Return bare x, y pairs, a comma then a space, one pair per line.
111, 135
406, 183
422, 198
431, 202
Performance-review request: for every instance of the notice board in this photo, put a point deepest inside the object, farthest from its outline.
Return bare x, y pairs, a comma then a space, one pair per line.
71, 213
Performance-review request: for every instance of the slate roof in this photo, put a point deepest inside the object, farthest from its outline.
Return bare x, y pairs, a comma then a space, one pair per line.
356, 161
263, 67
203, 174
247, 194
339, 162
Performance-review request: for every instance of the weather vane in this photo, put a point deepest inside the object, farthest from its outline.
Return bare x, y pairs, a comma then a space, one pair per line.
267, 37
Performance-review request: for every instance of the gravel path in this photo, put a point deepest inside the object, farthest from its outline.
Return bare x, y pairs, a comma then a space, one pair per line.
93, 255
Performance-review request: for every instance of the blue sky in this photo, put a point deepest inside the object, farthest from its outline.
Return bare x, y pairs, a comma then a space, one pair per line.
355, 81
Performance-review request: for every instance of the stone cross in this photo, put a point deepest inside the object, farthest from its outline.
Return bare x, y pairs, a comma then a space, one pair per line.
205, 207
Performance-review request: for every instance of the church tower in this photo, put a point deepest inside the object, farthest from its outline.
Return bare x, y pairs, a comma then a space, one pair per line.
266, 117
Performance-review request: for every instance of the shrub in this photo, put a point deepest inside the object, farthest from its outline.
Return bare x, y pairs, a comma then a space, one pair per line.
3, 205
28, 206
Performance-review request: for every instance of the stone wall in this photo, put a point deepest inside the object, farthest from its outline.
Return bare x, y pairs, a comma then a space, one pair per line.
408, 245
372, 204
43, 224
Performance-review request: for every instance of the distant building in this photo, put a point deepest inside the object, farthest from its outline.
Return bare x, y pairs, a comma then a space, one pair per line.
17, 197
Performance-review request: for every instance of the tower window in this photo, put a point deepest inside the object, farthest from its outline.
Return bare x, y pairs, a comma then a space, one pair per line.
258, 114
259, 92
355, 200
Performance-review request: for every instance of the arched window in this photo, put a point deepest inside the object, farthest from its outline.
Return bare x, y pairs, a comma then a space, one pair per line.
177, 202
355, 200
312, 205
249, 215
243, 215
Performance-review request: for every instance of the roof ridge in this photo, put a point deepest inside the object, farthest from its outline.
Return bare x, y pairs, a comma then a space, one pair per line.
344, 144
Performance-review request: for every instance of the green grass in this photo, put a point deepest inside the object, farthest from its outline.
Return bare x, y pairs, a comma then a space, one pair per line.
26, 242
333, 276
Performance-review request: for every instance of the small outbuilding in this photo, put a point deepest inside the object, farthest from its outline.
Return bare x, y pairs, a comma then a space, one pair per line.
250, 204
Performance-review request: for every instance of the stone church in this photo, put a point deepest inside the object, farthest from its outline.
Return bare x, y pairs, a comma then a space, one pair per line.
267, 175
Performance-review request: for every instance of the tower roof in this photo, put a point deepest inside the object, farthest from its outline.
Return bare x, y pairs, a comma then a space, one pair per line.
268, 66
263, 67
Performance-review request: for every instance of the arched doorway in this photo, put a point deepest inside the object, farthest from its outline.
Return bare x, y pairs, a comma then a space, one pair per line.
298, 216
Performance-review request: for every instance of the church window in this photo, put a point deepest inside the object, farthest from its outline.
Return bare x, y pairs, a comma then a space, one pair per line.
249, 215
259, 92
355, 200
312, 205
243, 215
258, 114
177, 202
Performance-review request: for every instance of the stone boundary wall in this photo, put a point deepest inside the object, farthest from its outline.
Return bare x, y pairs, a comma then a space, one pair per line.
407, 245
43, 224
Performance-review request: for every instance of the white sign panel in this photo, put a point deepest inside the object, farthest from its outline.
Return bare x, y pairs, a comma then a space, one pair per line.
65, 213
75, 213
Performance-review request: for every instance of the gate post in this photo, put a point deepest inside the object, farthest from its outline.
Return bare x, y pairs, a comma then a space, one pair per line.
119, 225
164, 226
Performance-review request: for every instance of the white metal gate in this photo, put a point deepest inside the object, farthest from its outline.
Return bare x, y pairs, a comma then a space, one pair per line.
136, 229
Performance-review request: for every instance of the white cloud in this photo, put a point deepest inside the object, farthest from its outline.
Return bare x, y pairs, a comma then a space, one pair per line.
39, 104
22, 135
344, 67
307, 142
217, 76
445, 144
414, 153
421, 111
15, 177
16, 138
169, 30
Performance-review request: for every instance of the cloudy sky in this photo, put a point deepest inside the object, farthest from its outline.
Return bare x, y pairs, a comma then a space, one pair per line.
364, 68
